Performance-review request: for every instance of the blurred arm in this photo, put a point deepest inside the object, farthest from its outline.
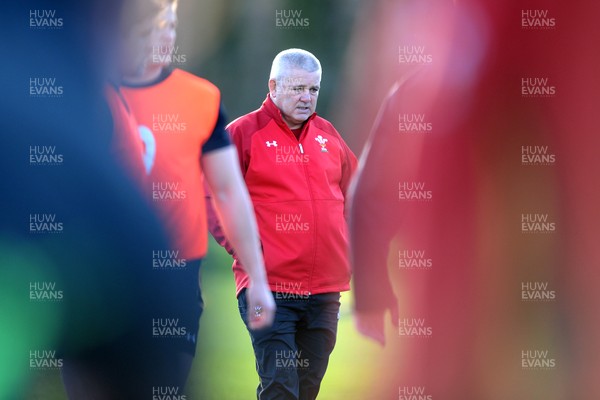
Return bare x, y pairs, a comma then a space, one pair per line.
374, 219
234, 210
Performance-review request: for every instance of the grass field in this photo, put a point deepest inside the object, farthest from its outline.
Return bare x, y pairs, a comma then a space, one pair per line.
224, 365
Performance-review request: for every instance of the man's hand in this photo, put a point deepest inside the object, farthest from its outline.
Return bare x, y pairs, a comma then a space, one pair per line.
261, 306
371, 323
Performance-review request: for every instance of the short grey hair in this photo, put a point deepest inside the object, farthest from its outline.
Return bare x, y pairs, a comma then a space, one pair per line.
294, 58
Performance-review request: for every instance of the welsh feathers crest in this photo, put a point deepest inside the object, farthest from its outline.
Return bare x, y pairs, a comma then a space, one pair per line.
323, 142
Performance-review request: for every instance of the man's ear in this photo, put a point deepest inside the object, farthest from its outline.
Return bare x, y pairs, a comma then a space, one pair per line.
273, 88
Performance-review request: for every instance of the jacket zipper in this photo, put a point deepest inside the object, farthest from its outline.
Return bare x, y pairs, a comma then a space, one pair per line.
314, 209
312, 203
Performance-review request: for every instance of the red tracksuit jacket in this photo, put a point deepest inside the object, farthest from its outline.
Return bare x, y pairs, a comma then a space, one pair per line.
298, 189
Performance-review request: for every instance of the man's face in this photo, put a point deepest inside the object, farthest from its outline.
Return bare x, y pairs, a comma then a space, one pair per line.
164, 36
135, 46
295, 94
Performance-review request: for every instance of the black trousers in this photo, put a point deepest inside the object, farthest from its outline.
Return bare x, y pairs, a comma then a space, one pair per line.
292, 355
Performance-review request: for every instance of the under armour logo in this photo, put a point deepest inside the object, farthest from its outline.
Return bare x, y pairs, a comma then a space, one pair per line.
273, 143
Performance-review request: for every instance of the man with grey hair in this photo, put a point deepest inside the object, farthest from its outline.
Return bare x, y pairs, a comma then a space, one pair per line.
297, 169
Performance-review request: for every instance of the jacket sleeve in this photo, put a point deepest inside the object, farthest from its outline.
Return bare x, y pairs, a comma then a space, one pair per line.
349, 166
242, 145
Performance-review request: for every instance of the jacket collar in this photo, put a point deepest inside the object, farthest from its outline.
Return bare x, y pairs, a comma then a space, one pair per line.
271, 109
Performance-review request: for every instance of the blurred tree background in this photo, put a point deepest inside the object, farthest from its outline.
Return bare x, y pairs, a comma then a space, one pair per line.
233, 42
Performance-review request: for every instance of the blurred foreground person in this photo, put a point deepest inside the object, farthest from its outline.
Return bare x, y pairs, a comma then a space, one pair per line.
77, 287
473, 177
183, 115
